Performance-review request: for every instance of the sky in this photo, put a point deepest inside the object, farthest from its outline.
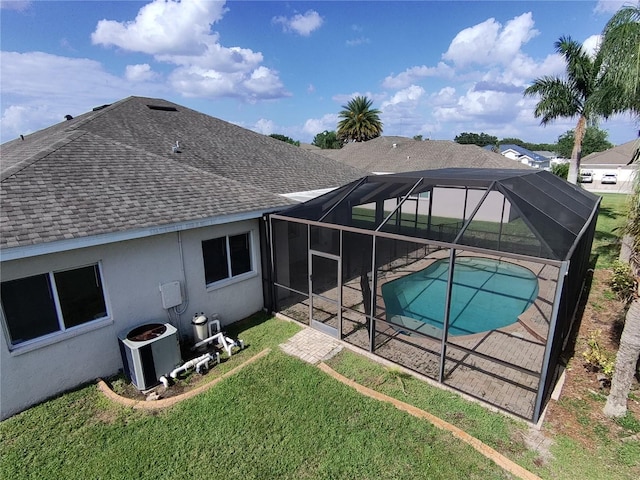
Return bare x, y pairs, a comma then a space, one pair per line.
432, 68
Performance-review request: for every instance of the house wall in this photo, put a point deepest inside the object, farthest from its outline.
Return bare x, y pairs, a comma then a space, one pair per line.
132, 272
625, 173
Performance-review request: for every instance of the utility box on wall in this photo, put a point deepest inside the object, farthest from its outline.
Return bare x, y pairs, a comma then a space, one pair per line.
171, 295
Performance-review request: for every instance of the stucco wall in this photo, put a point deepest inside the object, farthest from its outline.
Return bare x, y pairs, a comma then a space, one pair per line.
132, 273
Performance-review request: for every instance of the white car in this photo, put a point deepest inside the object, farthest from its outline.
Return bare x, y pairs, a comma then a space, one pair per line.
586, 176
611, 178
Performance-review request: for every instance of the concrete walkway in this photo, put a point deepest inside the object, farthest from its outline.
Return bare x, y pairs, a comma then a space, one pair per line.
311, 346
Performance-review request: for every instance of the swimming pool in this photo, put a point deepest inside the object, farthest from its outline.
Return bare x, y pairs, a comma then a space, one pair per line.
487, 294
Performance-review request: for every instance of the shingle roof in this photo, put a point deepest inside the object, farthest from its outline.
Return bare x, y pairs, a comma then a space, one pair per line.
113, 170
624, 154
380, 155
523, 151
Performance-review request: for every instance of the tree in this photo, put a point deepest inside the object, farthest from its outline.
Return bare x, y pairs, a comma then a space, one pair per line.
327, 140
569, 97
482, 139
620, 55
417, 138
359, 121
560, 169
286, 139
620, 52
595, 140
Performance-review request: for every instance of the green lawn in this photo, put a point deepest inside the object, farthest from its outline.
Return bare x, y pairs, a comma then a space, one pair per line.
277, 418
612, 216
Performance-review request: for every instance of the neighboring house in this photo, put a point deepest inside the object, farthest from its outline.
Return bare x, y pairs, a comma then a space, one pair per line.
524, 156
621, 161
140, 211
402, 154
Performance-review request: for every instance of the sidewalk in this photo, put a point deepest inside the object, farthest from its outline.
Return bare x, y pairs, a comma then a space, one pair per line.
311, 346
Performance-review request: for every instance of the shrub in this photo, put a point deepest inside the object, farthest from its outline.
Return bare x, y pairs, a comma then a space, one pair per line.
623, 281
596, 357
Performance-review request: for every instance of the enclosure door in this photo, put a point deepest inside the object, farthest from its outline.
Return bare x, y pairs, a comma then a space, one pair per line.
325, 292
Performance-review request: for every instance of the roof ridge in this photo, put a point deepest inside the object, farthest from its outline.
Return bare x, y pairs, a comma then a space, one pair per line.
70, 136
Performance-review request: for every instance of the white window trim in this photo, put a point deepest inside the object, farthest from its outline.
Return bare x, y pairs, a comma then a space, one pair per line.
230, 280
57, 337
64, 332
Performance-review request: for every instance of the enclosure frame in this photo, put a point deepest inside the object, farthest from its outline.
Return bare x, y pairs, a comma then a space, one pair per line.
567, 286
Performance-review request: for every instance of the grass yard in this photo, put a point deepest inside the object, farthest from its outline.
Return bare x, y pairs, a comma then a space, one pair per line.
278, 418
612, 216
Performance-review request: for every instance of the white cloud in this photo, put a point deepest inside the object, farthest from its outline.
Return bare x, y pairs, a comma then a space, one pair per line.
408, 95
139, 73
445, 97
39, 89
488, 43
19, 119
302, 24
610, 6
313, 126
264, 83
344, 98
17, 5
164, 27
591, 45
264, 126
357, 42
179, 33
413, 74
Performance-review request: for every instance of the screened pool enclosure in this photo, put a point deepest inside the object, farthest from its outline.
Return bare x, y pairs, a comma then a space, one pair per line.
471, 277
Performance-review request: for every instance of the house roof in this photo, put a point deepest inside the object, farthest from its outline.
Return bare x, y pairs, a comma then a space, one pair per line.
380, 155
621, 155
113, 170
523, 152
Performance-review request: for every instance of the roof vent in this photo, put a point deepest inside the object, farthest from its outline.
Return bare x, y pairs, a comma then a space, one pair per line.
95, 109
394, 145
164, 108
176, 148
68, 117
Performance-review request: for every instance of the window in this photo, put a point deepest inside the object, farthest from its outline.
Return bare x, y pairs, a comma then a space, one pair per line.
226, 257
52, 302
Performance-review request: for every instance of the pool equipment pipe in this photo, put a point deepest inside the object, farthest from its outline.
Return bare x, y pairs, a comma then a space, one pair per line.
203, 365
190, 364
164, 381
226, 342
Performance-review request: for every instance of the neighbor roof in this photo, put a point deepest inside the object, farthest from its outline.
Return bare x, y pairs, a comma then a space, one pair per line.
624, 154
113, 170
523, 152
402, 154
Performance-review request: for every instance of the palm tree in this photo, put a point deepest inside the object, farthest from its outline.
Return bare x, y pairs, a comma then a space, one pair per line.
359, 121
620, 70
620, 53
569, 97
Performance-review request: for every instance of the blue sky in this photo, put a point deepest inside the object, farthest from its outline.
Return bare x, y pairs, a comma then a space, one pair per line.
434, 69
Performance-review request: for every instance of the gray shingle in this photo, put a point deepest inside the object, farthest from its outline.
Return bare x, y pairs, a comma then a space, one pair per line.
380, 155
113, 170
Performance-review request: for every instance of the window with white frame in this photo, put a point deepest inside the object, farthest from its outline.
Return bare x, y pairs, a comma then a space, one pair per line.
226, 257
52, 302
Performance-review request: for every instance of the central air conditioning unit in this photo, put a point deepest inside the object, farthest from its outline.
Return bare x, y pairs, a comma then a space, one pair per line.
148, 352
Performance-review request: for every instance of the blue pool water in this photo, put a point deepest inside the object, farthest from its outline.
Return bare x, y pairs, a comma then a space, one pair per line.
486, 294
